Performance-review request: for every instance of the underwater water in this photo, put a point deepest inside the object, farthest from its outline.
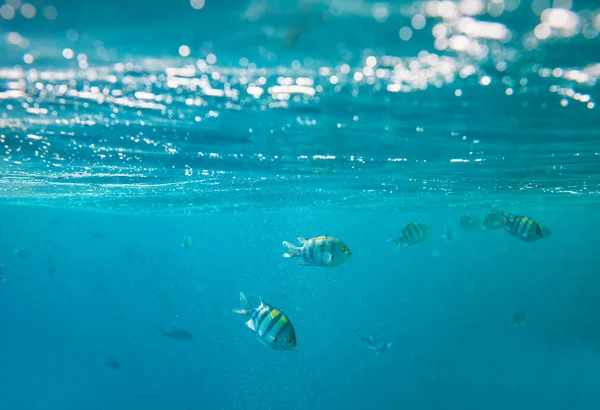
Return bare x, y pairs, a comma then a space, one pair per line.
155, 155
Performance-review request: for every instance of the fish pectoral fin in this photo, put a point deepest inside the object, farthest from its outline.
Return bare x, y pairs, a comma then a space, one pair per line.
250, 324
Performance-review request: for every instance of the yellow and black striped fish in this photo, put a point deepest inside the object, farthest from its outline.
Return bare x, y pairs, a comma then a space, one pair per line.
411, 234
525, 228
271, 325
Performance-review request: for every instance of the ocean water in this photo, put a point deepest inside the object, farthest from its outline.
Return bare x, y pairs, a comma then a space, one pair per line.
155, 154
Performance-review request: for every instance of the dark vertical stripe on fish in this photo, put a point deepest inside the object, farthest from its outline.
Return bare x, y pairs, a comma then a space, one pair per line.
409, 234
272, 323
525, 225
323, 247
282, 329
262, 317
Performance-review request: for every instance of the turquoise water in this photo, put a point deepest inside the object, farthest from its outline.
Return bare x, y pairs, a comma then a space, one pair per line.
154, 156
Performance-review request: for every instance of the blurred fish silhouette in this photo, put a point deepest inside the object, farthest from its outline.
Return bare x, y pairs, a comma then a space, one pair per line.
19, 253
109, 362
519, 319
469, 222
374, 343
187, 242
449, 235
176, 334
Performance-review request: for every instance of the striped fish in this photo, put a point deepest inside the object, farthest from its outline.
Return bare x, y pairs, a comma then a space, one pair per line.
271, 325
411, 234
323, 251
525, 228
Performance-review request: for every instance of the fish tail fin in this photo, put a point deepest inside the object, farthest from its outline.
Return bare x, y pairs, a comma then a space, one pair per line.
546, 232
246, 307
162, 332
293, 250
398, 241
363, 338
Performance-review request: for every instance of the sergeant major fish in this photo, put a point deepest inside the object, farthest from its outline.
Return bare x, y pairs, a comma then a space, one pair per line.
272, 326
323, 251
411, 234
525, 228
375, 343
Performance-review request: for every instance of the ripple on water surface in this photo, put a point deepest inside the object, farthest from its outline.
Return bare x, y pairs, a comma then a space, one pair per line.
469, 102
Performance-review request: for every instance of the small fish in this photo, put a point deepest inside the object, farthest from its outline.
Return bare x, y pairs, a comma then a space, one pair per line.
519, 318
98, 235
51, 271
373, 342
176, 334
411, 234
19, 253
525, 228
323, 251
469, 222
187, 242
495, 220
1, 274
449, 235
272, 326
110, 363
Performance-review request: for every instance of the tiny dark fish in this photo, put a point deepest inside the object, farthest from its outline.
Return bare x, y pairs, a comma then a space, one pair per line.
519, 318
176, 334
98, 235
51, 271
110, 363
1, 274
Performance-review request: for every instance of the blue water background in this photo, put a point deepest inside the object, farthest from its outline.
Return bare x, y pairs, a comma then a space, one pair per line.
118, 278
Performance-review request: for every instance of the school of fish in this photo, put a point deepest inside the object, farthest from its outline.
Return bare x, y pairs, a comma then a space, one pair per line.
274, 328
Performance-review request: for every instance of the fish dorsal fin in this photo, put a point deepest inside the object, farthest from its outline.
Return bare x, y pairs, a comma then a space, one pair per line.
302, 240
262, 304
250, 324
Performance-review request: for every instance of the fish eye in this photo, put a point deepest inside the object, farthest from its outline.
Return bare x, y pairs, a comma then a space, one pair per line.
290, 340
344, 250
